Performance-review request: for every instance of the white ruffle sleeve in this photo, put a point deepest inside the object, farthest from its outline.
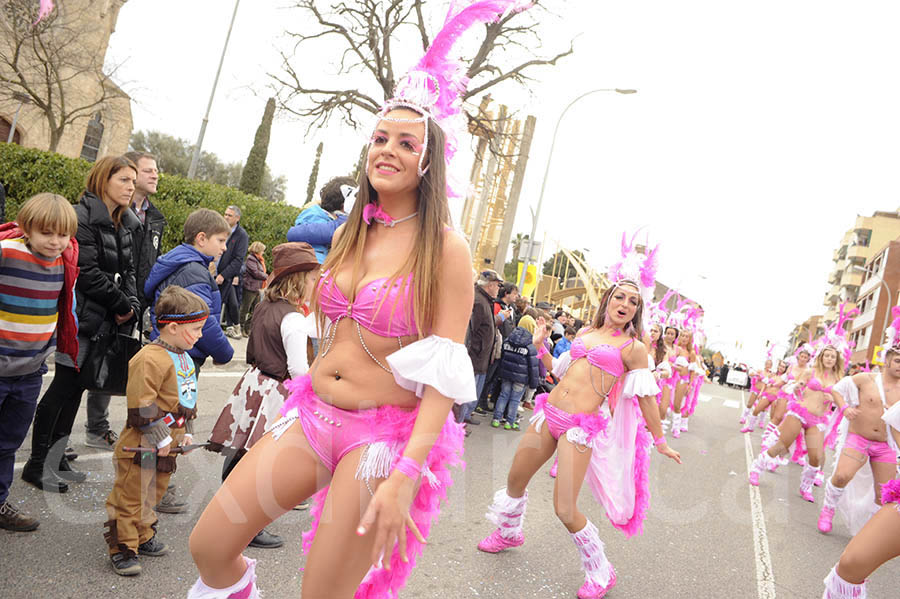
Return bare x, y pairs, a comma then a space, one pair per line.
681, 362
561, 364
435, 362
891, 417
639, 383
848, 390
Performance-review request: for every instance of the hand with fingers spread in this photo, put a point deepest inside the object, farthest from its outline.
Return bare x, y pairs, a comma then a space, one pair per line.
387, 517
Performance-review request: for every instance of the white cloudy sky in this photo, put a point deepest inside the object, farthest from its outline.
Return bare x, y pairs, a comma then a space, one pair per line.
759, 132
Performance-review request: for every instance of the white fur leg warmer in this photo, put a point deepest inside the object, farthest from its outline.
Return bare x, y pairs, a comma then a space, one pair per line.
832, 495
245, 588
838, 588
593, 558
507, 513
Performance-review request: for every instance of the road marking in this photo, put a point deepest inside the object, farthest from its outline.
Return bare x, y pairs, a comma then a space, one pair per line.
765, 577
730, 403
704, 398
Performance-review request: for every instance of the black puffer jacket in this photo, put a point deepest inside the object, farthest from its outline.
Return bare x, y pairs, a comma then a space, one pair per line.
106, 284
519, 363
147, 240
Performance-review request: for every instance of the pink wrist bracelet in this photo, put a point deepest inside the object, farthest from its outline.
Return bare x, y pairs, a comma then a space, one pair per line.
409, 468
659, 441
542, 352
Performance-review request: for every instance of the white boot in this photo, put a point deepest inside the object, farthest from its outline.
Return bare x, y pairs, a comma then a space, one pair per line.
684, 423
245, 588
507, 513
599, 575
838, 588
676, 425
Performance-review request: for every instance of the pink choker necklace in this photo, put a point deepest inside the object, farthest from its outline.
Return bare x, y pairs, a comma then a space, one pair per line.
375, 212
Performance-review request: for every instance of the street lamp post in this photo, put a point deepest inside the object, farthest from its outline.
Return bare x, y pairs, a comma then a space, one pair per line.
887, 309
195, 159
537, 214
23, 99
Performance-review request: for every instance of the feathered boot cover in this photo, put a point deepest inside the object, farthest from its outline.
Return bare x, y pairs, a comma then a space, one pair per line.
599, 575
507, 513
245, 588
806, 482
838, 588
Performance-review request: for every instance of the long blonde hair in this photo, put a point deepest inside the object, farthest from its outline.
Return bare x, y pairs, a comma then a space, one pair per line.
837, 370
424, 261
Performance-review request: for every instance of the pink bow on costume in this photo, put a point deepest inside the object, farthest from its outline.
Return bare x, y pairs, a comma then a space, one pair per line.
374, 211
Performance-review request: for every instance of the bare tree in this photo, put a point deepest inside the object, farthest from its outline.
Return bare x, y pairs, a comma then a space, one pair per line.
53, 63
367, 29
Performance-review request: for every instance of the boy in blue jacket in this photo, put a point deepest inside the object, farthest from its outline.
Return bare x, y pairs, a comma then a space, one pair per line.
518, 369
205, 235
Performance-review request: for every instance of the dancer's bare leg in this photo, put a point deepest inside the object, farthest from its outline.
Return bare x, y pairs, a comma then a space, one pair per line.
272, 478
751, 400
680, 392
815, 447
876, 543
761, 406
534, 450
848, 464
664, 402
882, 472
339, 558
788, 430
779, 409
573, 464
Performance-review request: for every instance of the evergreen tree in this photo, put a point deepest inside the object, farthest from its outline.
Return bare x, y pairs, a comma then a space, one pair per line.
255, 168
314, 175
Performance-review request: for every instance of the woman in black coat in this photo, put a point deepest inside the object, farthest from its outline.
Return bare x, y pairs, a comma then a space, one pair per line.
105, 291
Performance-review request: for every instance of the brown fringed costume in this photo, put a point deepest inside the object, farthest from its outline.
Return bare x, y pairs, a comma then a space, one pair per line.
162, 391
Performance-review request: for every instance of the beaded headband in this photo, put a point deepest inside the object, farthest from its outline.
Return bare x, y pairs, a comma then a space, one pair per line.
182, 318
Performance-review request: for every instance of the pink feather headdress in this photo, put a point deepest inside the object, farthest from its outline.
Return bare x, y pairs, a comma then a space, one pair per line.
636, 268
892, 333
836, 336
657, 314
435, 85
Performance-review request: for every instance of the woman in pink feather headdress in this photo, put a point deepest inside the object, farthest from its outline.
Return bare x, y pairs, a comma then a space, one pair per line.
594, 419
369, 431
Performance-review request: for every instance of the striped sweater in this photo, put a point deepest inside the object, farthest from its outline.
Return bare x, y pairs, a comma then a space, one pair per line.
29, 295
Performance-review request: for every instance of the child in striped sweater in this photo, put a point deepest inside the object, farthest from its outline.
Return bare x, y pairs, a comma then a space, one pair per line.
38, 268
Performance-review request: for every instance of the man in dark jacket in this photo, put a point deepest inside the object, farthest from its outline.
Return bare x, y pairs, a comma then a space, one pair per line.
229, 267
146, 240
518, 370
480, 335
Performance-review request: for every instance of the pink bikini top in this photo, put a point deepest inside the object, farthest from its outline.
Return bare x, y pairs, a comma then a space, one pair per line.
382, 311
816, 385
604, 356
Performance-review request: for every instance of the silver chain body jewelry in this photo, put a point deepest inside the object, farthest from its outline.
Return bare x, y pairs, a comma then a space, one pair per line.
331, 333
394, 222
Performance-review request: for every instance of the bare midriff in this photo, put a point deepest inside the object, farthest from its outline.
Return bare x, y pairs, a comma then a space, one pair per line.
574, 393
868, 423
814, 401
348, 378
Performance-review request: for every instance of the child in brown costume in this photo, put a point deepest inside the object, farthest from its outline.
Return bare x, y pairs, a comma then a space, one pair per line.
162, 403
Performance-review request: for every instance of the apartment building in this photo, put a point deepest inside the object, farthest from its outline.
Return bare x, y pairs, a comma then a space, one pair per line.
878, 293
868, 237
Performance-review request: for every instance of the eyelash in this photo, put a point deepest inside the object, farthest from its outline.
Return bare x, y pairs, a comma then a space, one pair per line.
378, 140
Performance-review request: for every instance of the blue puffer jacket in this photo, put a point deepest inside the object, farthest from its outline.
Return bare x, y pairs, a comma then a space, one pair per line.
519, 362
186, 267
316, 227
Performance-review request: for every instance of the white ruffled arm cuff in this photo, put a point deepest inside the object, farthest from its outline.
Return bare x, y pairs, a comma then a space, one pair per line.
639, 383
681, 362
561, 364
848, 390
435, 362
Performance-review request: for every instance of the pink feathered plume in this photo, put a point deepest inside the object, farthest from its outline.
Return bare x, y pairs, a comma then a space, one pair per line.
44, 11
890, 492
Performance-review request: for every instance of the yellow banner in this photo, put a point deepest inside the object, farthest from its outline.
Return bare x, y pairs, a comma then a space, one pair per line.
530, 279
877, 358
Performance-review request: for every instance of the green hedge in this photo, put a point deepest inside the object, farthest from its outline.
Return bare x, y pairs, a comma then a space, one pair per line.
26, 172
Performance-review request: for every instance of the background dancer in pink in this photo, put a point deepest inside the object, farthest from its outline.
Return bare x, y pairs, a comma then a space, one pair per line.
372, 419
808, 415
756, 388
609, 451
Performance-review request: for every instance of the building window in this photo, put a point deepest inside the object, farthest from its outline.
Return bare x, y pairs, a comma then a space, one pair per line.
5, 128
92, 137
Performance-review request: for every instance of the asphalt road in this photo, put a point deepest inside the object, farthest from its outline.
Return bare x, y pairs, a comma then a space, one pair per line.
699, 538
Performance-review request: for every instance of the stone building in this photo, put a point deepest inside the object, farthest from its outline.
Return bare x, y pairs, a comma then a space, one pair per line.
102, 129
878, 293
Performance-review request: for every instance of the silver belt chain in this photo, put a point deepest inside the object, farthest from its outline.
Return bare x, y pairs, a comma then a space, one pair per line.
331, 333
